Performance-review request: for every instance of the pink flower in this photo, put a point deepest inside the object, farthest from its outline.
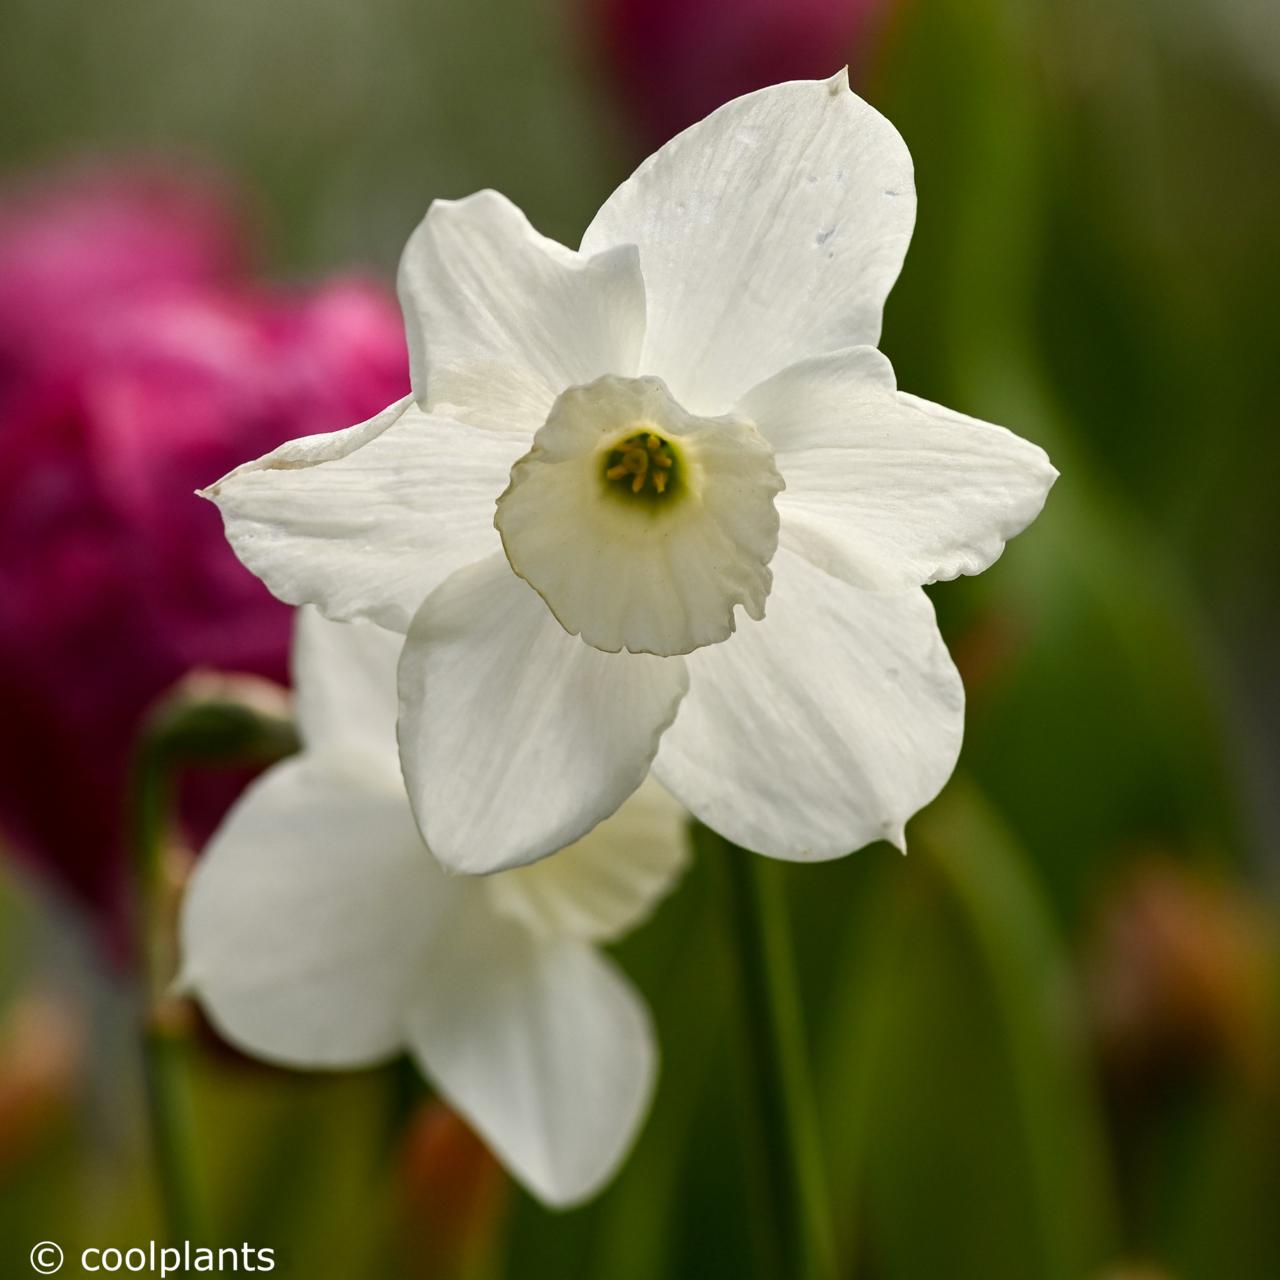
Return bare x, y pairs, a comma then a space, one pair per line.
75, 246
674, 61
137, 362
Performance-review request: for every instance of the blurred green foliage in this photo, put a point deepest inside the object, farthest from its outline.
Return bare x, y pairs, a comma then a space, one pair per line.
1096, 265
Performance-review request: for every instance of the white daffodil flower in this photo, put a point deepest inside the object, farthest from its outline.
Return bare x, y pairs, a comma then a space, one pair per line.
318, 932
608, 452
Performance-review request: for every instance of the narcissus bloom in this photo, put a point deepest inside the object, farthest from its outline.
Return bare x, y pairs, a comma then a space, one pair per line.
610, 454
317, 931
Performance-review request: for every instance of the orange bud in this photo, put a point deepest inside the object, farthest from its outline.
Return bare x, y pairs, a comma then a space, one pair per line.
1135, 1271
1180, 977
454, 1194
41, 1048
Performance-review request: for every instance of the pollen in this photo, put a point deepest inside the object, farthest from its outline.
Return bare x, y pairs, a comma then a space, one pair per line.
642, 465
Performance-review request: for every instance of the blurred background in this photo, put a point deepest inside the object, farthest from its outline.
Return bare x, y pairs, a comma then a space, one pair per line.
1045, 1044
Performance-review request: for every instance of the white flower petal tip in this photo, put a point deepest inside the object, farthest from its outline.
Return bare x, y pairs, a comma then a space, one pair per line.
501, 319
885, 490
516, 739
838, 82
770, 230
860, 729
548, 1052
642, 526
364, 523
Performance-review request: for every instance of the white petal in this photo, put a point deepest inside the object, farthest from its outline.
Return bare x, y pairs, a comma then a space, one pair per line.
770, 231
649, 571
344, 679
607, 883
822, 728
364, 523
516, 738
501, 319
305, 926
885, 490
543, 1047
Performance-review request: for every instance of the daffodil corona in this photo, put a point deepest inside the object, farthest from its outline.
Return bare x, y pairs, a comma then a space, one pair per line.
658, 503
640, 525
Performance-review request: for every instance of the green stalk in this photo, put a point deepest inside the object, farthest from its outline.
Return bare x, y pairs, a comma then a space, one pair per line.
795, 1211
172, 1119
212, 722
162, 1033
1071, 1180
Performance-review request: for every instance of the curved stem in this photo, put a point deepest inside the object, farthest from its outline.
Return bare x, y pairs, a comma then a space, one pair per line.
210, 721
173, 1142
1071, 1180
795, 1210
162, 1026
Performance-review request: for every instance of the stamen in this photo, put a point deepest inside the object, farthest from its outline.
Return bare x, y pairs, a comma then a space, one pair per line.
647, 460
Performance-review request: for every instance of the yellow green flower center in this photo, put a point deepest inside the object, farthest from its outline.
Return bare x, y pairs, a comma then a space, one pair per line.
645, 465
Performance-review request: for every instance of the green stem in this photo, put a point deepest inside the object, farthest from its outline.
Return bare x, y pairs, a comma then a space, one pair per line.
163, 1034
173, 1144
1027, 970
795, 1208
214, 722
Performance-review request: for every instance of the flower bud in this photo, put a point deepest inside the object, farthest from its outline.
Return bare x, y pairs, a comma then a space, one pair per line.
1179, 978
454, 1194
41, 1047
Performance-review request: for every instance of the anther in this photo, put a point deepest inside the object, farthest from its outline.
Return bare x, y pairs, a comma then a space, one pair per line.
646, 459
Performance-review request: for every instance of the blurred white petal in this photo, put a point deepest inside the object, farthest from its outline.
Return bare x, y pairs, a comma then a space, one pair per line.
607, 883
306, 922
344, 679
543, 1047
